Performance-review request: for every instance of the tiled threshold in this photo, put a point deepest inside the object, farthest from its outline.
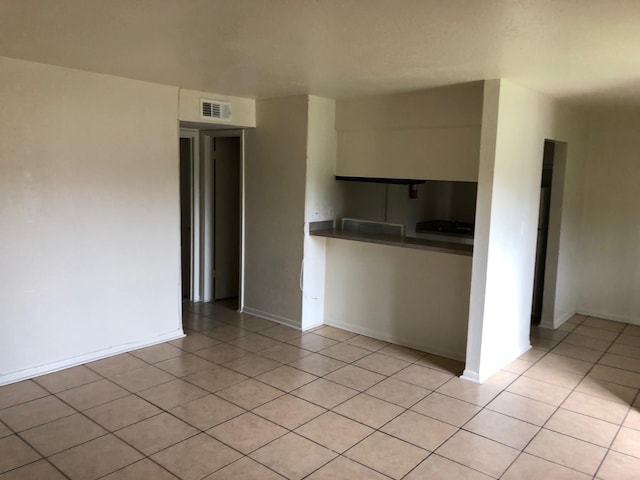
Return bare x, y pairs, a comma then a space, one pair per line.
241, 397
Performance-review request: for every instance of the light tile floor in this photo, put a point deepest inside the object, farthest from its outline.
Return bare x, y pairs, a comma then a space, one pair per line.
244, 398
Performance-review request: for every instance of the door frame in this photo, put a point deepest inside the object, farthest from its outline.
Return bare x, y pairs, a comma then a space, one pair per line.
206, 225
194, 244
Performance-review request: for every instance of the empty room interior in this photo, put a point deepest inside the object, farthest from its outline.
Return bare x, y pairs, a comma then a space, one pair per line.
297, 239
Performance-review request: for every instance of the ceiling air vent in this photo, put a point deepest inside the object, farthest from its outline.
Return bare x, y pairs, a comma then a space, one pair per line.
215, 109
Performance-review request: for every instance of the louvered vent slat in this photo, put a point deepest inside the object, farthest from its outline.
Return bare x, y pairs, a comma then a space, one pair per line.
215, 109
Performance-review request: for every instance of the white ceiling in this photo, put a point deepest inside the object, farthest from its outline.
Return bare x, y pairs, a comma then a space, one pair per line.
587, 51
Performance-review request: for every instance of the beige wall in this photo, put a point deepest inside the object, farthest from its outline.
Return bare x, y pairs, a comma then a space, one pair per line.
610, 256
275, 173
429, 134
410, 297
243, 110
516, 122
89, 222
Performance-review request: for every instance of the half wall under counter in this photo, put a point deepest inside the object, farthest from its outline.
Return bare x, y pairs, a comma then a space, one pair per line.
417, 296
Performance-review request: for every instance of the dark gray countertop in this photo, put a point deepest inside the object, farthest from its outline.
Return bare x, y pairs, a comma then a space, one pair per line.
396, 241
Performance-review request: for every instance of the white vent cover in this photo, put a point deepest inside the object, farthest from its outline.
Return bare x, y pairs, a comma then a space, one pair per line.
215, 109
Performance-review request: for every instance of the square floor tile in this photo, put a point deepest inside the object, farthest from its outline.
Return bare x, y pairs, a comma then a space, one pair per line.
613, 412
311, 342
479, 453
398, 392
369, 410
293, 456
587, 342
254, 324
425, 432
254, 342
281, 333
67, 378
20, 392
382, 364
171, 394
436, 467
286, 378
446, 409
403, 353
570, 452
631, 421
14, 453
226, 333
528, 467
444, 364
423, 376
559, 378
122, 412
245, 469
522, 408
249, 394
582, 427
317, 364
334, 333
501, 428
252, 365
368, 343
324, 393
36, 412
470, 392
194, 341
341, 468
604, 324
334, 431
156, 433
4, 430
222, 353
345, 352
247, 432
40, 470
387, 455
619, 361
96, 458
184, 365
142, 470
142, 378
561, 362
355, 377
579, 353
284, 353
517, 366
62, 434
537, 390
110, 366
617, 466
215, 379
289, 411
628, 442
92, 394
196, 457
597, 333
157, 353
615, 375
207, 411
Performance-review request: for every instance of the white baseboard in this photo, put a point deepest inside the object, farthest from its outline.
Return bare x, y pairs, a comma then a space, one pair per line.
487, 373
86, 358
271, 316
609, 316
433, 349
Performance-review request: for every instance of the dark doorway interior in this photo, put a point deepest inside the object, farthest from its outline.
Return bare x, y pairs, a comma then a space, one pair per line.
543, 231
186, 152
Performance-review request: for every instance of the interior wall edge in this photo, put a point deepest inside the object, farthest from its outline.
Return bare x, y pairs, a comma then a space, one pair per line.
272, 316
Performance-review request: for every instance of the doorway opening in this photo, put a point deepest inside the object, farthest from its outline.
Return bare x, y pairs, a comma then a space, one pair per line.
543, 231
211, 199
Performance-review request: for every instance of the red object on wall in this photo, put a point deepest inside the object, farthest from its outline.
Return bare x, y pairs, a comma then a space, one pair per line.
413, 190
